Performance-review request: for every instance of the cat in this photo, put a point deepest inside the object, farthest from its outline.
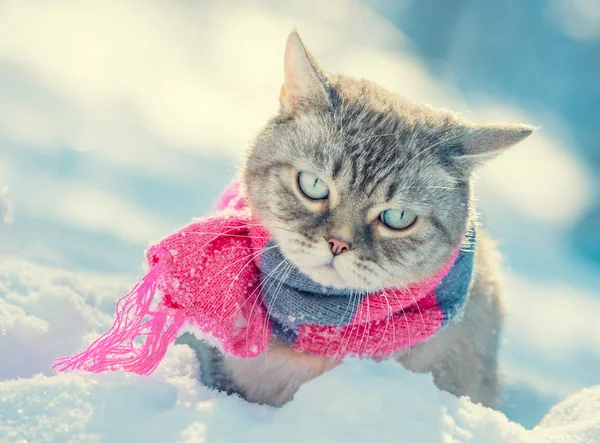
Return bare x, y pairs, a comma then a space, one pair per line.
364, 189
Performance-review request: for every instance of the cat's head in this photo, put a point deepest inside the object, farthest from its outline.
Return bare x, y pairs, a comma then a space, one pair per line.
360, 187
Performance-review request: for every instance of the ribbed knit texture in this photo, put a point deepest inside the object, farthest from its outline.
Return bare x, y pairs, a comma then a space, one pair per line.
209, 278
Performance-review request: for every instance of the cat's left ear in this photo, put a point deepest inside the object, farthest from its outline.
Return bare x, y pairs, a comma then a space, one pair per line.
302, 82
483, 142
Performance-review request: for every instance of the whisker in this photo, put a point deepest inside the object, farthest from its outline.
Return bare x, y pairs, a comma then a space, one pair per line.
387, 323
348, 329
350, 300
407, 289
250, 258
405, 321
286, 272
367, 329
258, 288
354, 329
288, 230
453, 188
218, 234
275, 227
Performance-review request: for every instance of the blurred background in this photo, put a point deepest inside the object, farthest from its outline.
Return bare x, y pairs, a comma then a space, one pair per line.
120, 121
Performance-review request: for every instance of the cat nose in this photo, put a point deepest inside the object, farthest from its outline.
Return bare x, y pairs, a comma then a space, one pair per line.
338, 246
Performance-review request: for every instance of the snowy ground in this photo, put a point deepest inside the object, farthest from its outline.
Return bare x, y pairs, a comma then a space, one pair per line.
112, 139
46, 312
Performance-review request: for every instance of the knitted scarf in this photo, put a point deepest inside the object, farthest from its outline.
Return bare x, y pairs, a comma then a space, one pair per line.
225, 279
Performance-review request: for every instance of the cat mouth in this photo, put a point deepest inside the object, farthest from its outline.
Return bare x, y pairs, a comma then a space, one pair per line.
328, 275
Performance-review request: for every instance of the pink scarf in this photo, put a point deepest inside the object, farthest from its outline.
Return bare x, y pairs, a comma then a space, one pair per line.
205, 278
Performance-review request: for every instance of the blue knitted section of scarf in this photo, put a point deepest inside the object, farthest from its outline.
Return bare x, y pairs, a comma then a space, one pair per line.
293, 299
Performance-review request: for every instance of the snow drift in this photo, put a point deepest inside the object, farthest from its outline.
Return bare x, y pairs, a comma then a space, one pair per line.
358, 402
44, 313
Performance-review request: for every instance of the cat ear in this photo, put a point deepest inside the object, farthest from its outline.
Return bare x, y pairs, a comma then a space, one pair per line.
483, 142
302, 84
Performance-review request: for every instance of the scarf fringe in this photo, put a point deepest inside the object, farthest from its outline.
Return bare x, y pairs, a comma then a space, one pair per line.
116, 349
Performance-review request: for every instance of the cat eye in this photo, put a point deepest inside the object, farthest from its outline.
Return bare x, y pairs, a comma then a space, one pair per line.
398, 218
312, 186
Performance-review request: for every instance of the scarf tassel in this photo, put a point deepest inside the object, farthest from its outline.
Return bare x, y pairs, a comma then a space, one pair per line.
135, 318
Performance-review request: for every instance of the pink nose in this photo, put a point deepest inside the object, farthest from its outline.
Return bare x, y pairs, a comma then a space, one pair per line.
338, 246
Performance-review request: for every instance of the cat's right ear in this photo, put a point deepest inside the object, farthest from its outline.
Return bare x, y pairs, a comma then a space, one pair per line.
483, 142
303, 87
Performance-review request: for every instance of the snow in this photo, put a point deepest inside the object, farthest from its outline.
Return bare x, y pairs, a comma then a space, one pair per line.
124, 149
46, 312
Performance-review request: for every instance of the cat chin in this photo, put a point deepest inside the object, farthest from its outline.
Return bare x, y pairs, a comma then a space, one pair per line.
329, 275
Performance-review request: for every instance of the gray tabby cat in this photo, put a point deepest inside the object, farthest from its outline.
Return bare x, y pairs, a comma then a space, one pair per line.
361, 150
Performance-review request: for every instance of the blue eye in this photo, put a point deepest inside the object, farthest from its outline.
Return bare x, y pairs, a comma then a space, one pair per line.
312, 186
398, 218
